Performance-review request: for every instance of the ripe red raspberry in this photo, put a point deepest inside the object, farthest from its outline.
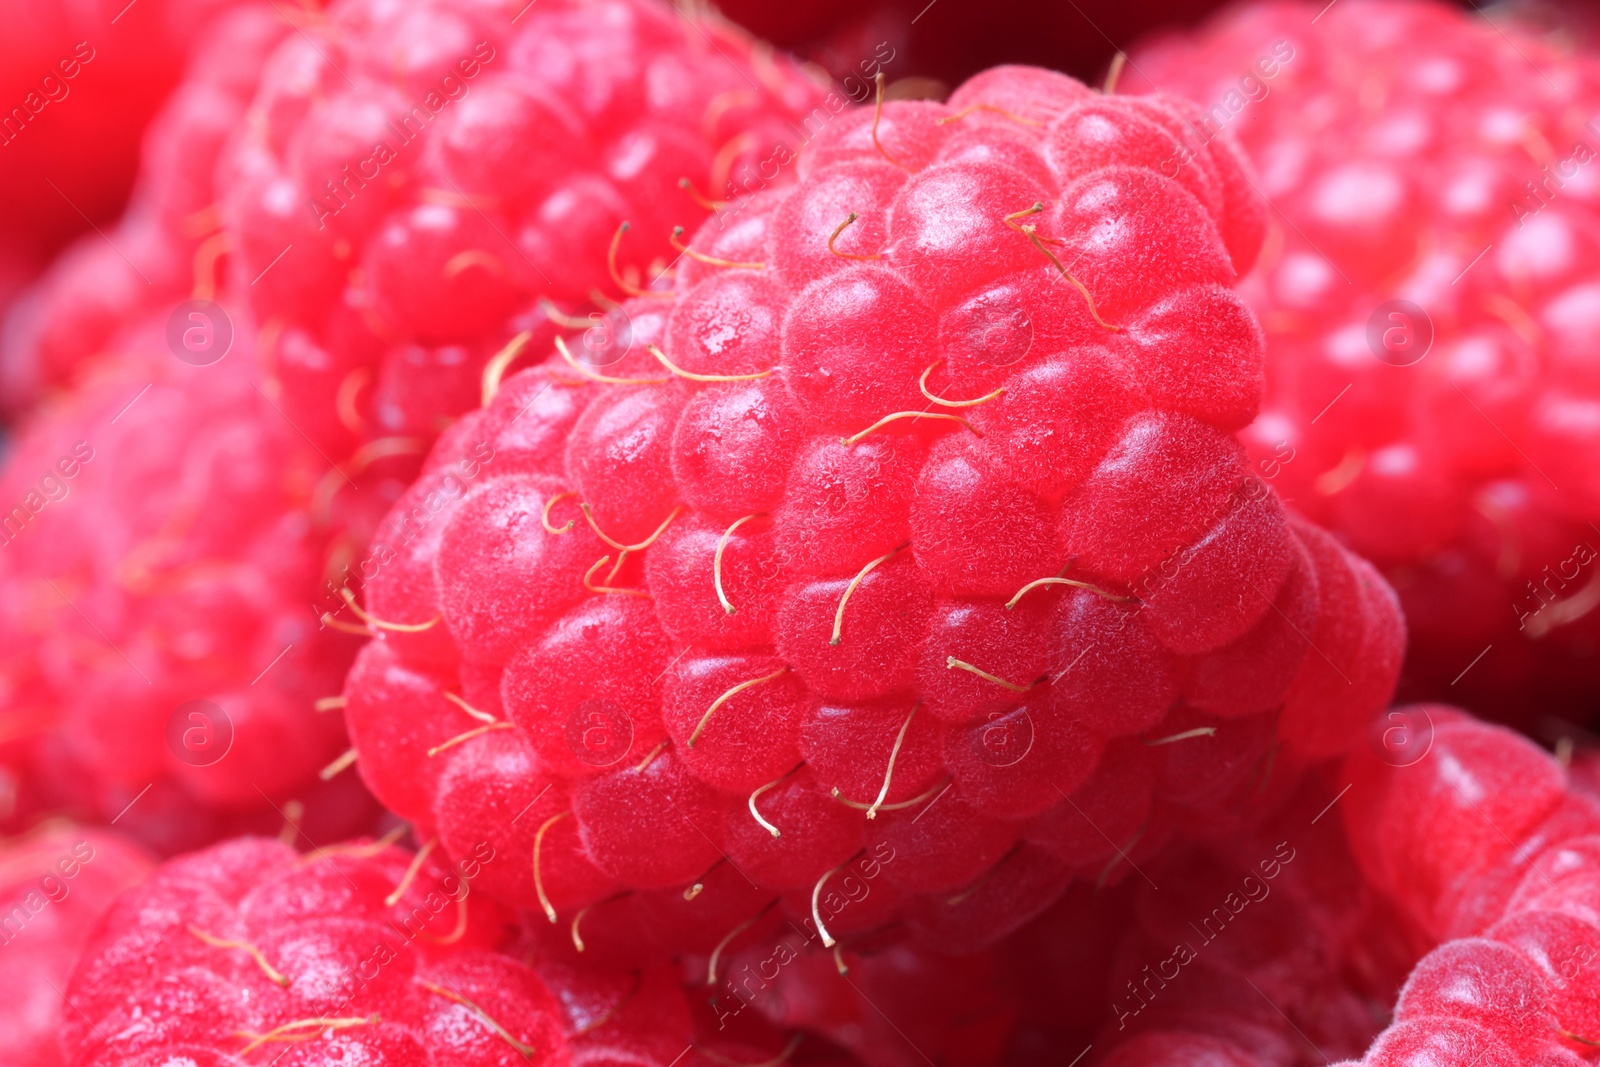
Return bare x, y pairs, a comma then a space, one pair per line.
1429, 302
164, 536
1247, 952
166, 241
1475, 835
78, 84
55, 883
416, 184
648, 1017
915, 497
358, 952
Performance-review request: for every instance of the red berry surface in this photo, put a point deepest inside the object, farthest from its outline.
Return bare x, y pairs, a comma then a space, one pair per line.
248, 952
882, 538
214, 544
165, 247
80, 82
1479, 856
432, 178
359, 952
1428, 296
165, 537
55, 883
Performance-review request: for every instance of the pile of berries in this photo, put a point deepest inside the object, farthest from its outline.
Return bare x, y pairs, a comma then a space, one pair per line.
1430, 302
232, 541
826, 589
1489, 860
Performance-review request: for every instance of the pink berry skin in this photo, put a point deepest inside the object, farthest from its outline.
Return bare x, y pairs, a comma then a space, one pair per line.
886, 613
815, 832
753, 736
571, 673
558, 132
399, 713
247, 939
1432, 1040
197, 549
732, 446
643, 826
1421, 318
1565, 952
1011, 644
884, 526
1420, 862
845, 506
483, 535
1163, 483
1255, 672
1482, 982
59, 879
683, 566
848, 745
960, 556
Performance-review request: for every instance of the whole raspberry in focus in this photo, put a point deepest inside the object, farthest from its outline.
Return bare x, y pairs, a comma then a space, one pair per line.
1431, 301
904, 542
164, 537
55, 883
416, 183
248, 952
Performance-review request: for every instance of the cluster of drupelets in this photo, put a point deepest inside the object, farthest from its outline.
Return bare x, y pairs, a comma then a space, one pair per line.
1432, 393
735, 599
828, 635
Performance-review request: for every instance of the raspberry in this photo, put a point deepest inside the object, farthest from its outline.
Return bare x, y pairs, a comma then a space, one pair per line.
1434, 277
79, 86
362, 950
427, 212
1271, 929
55, 883
143, 263
1514, 982
1504, 781
730, 602
165, 540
